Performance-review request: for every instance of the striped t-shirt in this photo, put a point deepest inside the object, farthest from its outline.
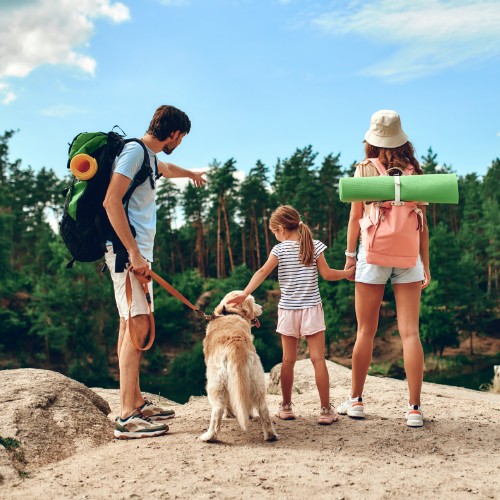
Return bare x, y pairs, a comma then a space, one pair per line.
298, 283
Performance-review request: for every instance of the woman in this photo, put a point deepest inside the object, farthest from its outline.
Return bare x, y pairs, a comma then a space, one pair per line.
386, 142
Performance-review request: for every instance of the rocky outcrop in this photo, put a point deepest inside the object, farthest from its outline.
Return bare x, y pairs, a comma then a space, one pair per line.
454, 456
47, 417
303, 377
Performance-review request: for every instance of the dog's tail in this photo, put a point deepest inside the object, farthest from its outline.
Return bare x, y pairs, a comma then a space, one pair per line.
239, 386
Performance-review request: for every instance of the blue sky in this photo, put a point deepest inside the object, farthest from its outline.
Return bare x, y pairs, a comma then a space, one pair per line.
257, 78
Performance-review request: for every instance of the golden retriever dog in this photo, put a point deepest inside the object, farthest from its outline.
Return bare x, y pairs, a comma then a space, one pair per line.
235, 377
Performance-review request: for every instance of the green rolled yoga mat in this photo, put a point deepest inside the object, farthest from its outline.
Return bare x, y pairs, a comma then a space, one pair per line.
432, 188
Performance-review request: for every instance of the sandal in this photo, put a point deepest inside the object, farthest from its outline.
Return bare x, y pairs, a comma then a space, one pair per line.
327, 416
285, 412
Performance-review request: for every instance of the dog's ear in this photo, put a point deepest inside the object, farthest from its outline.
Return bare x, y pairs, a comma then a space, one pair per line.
247, 307
218, 309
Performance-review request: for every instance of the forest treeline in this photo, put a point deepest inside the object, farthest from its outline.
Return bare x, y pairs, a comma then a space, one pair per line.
65, 319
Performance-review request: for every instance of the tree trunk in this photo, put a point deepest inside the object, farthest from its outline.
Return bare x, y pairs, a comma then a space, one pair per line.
251, 245
223, 259
488, 282
471, 340
218, 240
266, 231
207, 250
181, 255
243, 244
257, 244
228, 235
330, 228
199, 246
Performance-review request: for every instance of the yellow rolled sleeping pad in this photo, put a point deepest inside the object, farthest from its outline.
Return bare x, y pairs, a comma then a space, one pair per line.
83, 166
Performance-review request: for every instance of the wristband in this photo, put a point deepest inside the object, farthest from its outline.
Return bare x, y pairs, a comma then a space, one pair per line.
350, 254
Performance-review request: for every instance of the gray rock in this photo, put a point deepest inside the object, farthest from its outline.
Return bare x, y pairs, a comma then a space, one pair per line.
52, 416
304, 381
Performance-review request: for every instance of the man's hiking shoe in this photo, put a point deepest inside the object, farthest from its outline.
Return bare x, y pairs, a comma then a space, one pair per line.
353, 407
414, 416
154, 412
285, 412
137, 426
327, 416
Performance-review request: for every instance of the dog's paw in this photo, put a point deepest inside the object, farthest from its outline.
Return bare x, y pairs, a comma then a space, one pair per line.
208, 437
271, 438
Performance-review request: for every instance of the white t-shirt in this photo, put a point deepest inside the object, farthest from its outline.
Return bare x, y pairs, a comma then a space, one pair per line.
142, 204
298, 283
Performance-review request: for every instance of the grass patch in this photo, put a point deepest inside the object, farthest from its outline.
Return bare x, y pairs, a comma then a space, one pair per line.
9, 443
393, 369
446, 364
381, 369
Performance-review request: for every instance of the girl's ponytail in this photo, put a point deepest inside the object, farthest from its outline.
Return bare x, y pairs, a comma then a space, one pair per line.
288, 218
306, 249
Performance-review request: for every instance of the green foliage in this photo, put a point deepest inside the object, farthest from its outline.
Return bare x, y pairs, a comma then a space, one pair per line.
55, 318
9, 443
438, 325
185, 377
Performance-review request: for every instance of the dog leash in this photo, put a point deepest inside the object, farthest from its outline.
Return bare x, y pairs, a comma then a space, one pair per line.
178, 295
144, 281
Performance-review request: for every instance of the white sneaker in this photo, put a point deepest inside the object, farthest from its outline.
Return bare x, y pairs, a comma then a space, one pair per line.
414, 416
353, 407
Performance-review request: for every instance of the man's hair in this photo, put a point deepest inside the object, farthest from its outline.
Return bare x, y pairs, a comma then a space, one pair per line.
168, 119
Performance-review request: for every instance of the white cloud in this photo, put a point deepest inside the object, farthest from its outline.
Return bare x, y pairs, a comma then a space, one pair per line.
61, 111
174, 3
428, 35
51, 32
6, 95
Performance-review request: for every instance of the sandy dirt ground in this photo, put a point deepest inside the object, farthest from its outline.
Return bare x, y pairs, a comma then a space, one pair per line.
455, 455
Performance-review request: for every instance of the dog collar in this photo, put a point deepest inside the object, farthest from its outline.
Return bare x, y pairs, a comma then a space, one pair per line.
254, 322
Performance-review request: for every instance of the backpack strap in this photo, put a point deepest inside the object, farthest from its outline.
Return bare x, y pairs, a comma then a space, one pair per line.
378, 165
140, 177
144, 173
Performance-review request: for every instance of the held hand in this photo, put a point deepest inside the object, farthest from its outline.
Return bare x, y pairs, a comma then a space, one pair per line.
351, 272
198, 179
239, 299
139, 265
350, 264
427, 278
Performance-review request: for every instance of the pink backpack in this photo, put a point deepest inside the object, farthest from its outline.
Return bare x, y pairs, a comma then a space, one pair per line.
390, 232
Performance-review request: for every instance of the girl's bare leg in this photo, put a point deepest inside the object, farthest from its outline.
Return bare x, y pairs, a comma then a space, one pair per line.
316, 345
289, 357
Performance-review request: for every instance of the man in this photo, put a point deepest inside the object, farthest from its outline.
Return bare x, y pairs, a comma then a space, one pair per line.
139, 417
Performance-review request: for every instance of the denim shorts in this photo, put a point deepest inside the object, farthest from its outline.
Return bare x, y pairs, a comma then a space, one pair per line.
301, 322
372, 274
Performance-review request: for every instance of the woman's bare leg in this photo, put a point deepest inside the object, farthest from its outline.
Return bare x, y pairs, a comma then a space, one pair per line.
407, 297
367, 299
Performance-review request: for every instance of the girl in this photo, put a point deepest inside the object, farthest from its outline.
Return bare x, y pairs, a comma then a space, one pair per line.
386, 142
300, 312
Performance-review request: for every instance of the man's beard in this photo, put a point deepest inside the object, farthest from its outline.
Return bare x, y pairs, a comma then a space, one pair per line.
168, 150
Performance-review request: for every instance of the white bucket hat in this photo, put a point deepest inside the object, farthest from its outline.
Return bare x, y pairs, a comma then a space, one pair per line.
385, 130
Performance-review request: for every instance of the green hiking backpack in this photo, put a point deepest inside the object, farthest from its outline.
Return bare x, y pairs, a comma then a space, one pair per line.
84, 225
